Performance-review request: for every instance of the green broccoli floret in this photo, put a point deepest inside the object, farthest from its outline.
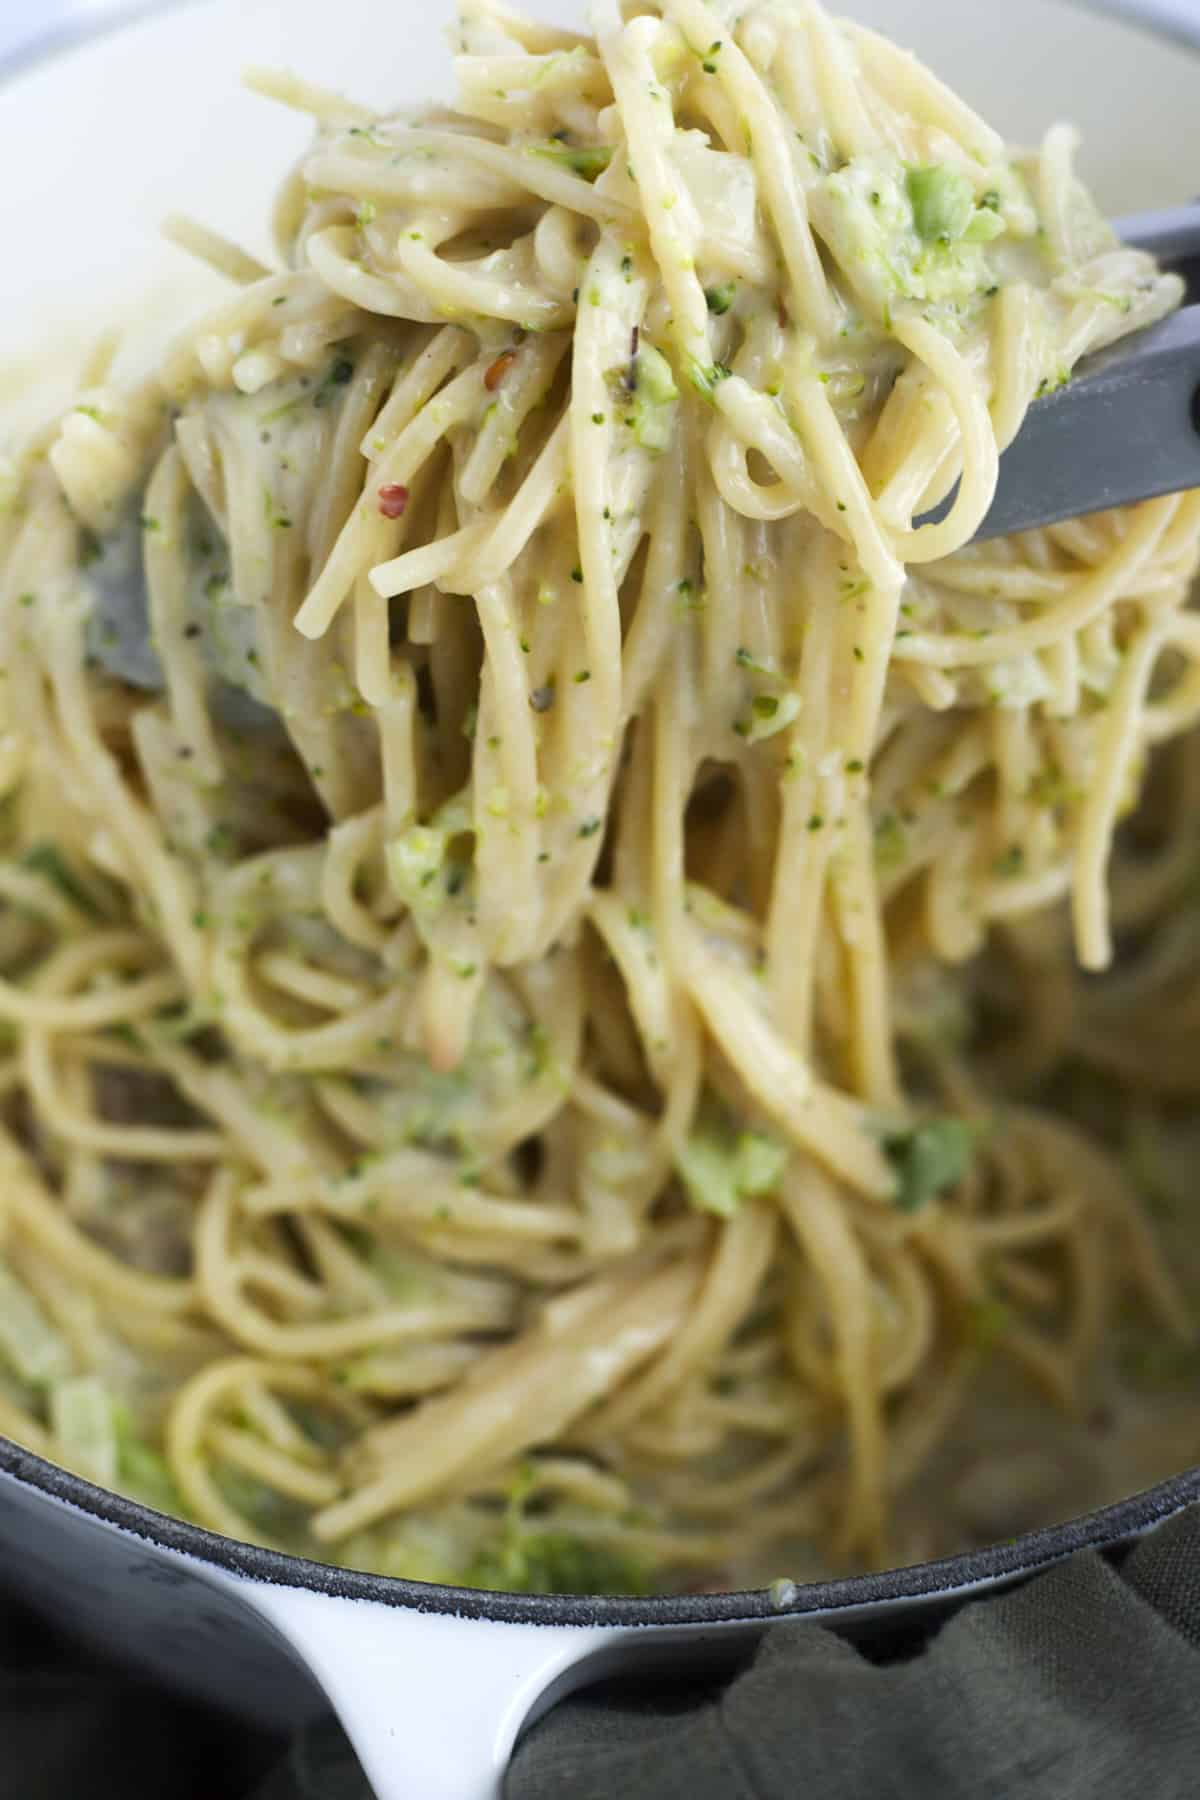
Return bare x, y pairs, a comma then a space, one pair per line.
930, 1159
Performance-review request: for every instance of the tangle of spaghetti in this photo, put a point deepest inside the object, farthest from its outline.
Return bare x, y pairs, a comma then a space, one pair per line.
509, 822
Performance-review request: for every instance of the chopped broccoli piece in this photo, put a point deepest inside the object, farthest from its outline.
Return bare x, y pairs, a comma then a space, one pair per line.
29, 1344
45, 859
556, 1562
648, 393
906, 234
942, 203
929, 1159
84, 1423
654, 377
143, 1474
721, 1166
586, 160
422, 873
550, 1555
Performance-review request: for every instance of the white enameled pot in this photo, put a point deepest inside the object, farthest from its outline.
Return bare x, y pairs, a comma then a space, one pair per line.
116, 125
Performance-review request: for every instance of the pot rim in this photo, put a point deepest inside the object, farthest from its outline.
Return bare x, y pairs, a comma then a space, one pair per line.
996, 1564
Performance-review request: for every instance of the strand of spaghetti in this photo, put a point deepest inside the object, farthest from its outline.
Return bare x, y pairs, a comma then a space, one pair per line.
46, 1225
1018, 357
34, 893
529, 169
287, 1291
827, 1124
456, 290
804, 844
164, 560
264, 1139
1117, 746
741, 1255
506, 847
878, 604
670, 215
1055, 182
915, 1301
840, 85
358, 417
634, 949
220, 1282
916, 90
812, 1208
532, 34
769, 147
116, 1005
395, 467
428, 563
980, 457
278, 1046
408, 181
527, 510
759, 425
1024, 1230
208, 246
440, 358
515, 419
526, 1393
324, 104
340, 1269
722, 550
860, 925
650, 630
549, 76
331, 993
927, 1419
241, 1449
372, 653
333, 250
397, 742
1089, 1274
170, 885
192, 1412
967, 574
590, 444
848, 503
410, 1186
82, 1128
1090, 595
672, 776
291, 298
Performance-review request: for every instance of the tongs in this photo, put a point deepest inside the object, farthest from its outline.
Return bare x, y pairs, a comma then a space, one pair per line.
1127, 425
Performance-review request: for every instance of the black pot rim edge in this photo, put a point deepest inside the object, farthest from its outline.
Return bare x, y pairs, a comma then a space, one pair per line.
974, 1569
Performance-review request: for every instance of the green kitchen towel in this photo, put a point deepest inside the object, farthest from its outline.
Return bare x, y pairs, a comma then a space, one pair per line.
1082, 1685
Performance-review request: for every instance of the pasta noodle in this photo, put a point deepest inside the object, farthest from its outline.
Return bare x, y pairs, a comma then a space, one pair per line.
517, 836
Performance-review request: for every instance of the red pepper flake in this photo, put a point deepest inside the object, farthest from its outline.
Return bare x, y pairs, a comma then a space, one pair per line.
499, 370
393, 499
